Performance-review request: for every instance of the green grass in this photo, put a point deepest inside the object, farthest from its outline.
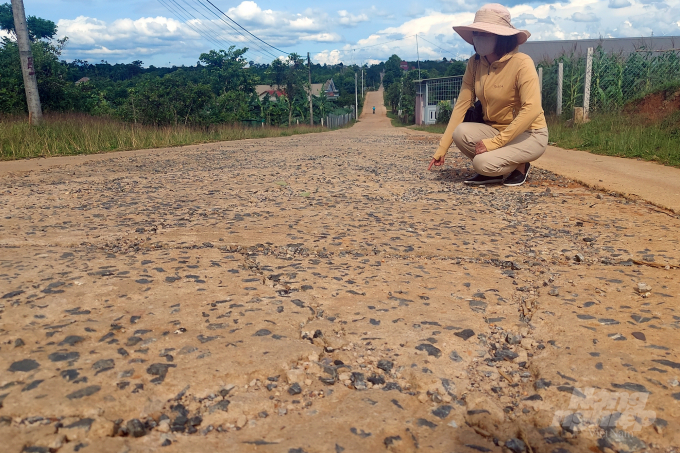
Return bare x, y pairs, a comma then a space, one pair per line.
396, 122
434, 128
623, 135
70, 134
668, 88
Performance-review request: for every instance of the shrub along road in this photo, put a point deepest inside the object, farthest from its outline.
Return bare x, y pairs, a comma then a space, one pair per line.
324, 293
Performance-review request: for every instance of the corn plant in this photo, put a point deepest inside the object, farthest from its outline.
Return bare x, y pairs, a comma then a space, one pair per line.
617, 79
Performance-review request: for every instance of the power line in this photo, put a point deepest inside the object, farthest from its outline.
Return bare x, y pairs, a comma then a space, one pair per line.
237, 24
441, 48
208, 33
204, 26
187, 21
247, 38
208, 20
187, 18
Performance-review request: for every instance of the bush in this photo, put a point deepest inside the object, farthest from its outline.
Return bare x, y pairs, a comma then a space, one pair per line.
445, 109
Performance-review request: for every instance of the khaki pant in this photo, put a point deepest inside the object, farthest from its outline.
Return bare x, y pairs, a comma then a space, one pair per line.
526, 147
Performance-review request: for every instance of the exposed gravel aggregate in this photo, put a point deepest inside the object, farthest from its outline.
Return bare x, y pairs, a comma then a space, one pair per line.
326, 293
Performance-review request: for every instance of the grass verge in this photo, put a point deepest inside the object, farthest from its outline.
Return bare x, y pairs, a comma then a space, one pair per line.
623, 135
70, 134
433, 129
396, 122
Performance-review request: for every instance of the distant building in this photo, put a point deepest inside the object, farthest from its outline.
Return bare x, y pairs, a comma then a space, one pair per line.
330, 89
276, 91
83, 80
404, 65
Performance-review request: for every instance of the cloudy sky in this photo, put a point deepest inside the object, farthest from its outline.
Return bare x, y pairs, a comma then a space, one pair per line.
175, 32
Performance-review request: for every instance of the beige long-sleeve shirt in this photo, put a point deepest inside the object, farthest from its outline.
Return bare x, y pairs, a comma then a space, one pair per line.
510, 95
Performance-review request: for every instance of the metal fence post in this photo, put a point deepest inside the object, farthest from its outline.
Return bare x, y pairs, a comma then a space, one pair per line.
560, 77
540, 80
586, 93
423, 112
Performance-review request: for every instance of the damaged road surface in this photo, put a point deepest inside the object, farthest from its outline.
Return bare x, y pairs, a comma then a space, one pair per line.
325, 293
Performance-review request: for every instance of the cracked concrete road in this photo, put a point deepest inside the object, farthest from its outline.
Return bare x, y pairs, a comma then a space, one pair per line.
324, 293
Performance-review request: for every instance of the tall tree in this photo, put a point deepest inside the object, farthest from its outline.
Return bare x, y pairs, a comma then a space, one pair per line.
293, 78
38, 28
393, 71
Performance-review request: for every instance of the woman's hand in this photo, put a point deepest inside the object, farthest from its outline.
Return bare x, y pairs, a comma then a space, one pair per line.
480, 148
436, 162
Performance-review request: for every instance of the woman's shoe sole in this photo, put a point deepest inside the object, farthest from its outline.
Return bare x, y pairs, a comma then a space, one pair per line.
481, 183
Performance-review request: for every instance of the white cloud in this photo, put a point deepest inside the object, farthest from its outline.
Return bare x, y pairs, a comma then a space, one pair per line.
251, 12
373, 38
351, 20
584, 17
90, 37
322, 37
575, 19
304, 23
328, 57
375, 12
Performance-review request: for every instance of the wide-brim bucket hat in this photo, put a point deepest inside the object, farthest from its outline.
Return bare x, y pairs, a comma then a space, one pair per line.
492, 18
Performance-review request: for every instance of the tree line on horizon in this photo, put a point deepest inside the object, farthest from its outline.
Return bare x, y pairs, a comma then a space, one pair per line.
219, 89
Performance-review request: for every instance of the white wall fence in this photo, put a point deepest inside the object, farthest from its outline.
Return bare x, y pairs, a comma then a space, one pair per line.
430, 92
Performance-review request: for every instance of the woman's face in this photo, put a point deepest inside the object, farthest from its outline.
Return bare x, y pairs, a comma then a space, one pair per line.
485, 43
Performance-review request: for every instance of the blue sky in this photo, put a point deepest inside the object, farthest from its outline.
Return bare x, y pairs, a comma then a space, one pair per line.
348, 31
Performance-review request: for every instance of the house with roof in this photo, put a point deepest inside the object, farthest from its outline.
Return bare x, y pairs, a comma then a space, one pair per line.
331, 91
276, 91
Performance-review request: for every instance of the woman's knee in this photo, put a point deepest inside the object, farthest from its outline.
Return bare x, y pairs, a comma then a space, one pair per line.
458, 135
486, 164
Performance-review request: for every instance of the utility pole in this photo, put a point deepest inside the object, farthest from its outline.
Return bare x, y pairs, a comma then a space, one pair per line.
418, 53
27, 67
362, 83
356, 98
311, 111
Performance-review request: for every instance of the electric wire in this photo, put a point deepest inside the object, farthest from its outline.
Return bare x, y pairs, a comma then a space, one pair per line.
440, 48
207, 21
187, 21
202, 29
210, 31
253, 44
247, 38
187, 18
239, 25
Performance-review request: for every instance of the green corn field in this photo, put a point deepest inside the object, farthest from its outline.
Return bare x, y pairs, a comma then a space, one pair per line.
616, 80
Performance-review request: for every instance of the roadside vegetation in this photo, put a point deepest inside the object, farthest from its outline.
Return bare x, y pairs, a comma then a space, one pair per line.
438, 128
623, 135
73, 133
400, 88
